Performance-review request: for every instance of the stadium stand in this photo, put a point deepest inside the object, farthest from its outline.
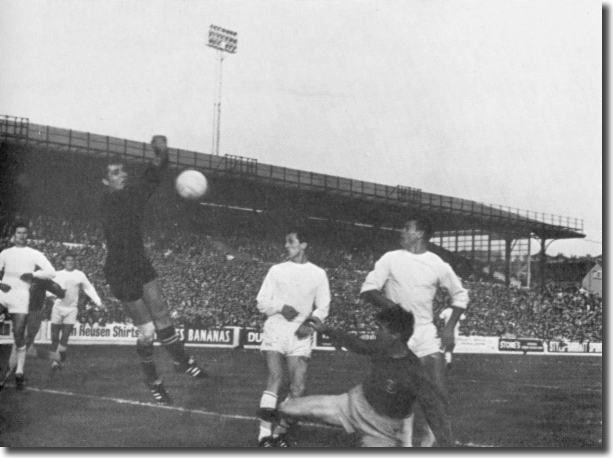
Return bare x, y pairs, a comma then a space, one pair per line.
211, 260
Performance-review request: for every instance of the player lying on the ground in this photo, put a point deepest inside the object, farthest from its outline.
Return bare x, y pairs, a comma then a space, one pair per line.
377, 409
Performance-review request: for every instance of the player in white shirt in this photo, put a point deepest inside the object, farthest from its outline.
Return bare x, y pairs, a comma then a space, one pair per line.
64, 313
19, 265
409, 277
291, 292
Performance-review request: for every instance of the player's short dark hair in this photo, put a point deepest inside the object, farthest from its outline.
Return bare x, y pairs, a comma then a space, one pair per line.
398, 321
161, 137
115, 159
69, 254
302, 233
423, 223
17, 224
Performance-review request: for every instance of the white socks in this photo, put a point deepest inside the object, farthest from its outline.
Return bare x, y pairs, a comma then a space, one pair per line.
267, 401
21, 359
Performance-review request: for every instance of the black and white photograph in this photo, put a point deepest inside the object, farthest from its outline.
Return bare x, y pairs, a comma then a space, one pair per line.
302, 224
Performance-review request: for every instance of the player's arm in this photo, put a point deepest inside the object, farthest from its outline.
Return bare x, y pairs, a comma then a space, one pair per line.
435, 408
45, 270
54, 289
322, 301
89, 289
353, 343
343, 339
376, 297
267, 302
155, 171
3, 286
322, 308
459, 303
374, 283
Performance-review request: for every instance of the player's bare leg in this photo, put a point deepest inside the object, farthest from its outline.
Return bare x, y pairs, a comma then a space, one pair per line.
55, 342
378, 442
321, 408
297, 368
10, 370
60, 348
19, 331
269, 400
435, 366
167, 335
34, 322
138, 311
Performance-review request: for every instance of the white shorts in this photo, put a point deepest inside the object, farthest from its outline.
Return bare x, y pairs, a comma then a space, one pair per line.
64, 315
357, 415
280, 337
425, 340
17, 300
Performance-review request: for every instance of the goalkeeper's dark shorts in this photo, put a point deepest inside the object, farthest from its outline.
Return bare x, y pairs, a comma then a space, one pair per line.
127, 282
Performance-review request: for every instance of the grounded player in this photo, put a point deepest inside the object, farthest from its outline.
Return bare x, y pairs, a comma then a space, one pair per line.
409, 277
287, 296
130, 274
377, 408
65, 310
21, 264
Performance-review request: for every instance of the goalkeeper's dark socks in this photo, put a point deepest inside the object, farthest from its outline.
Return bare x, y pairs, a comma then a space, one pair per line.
149, 371
145, 352
172, 343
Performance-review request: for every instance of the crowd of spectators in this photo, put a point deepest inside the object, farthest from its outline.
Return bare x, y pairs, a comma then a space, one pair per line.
212, 280
553, 314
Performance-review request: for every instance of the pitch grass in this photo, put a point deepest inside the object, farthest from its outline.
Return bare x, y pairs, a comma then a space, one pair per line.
497, 400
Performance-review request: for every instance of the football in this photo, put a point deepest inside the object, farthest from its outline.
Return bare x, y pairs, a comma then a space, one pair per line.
191, 184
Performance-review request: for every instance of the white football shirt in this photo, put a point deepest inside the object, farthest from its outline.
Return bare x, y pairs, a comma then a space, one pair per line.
73, 281
303, 286
411, 280
16, 261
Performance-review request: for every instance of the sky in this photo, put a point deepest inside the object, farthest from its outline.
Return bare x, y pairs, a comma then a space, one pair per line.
490, 100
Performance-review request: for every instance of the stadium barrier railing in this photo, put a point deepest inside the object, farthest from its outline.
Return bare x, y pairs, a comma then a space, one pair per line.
105, 146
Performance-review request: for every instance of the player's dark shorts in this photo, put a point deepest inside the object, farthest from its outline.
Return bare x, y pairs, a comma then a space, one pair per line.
127, 283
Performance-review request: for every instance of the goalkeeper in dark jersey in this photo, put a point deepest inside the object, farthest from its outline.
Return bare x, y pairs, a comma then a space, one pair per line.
377, 408
130, 274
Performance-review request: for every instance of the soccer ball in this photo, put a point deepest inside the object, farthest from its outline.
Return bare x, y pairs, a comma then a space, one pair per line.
191, 184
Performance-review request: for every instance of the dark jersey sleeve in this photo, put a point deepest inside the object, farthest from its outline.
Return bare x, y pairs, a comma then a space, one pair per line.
353, 343
54, 288
152, 178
